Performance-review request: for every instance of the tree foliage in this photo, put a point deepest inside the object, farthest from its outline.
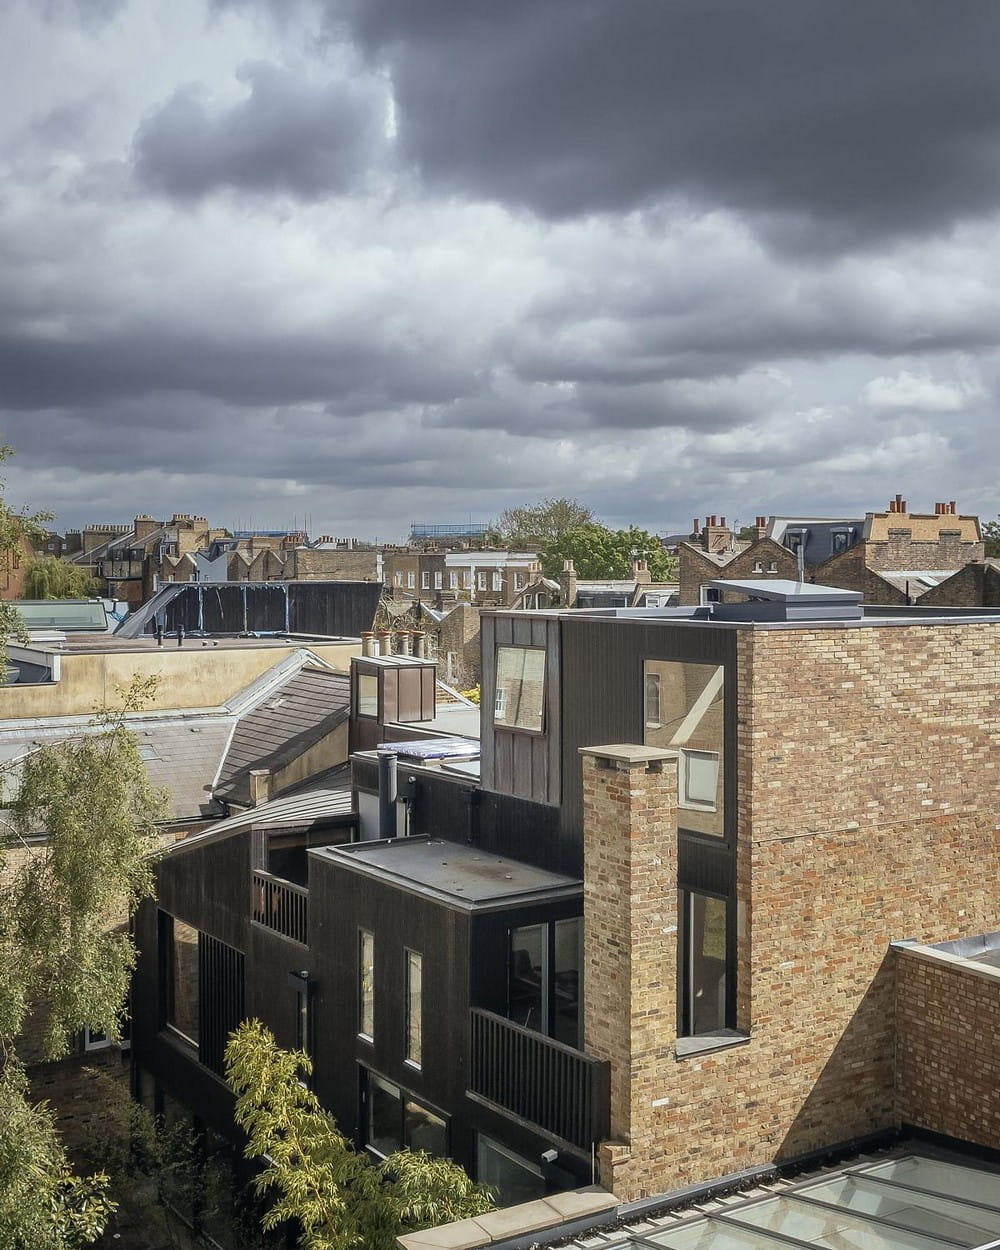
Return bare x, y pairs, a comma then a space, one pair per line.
314, 1175
48, 577
15, 526
991, 537
540, 524
599, 553
64, 956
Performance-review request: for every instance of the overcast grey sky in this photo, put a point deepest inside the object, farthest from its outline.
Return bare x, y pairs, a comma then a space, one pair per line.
362, 262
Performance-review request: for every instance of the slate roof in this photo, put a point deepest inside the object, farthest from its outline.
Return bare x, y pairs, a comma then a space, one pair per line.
294, 716
322, 799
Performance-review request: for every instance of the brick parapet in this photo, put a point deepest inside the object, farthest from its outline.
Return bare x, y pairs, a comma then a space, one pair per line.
947, 1060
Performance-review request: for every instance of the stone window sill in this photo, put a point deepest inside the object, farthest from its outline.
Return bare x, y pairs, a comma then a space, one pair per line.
705, 1043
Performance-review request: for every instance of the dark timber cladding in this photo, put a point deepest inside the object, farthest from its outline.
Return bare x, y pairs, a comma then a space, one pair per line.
602, 691
516, 762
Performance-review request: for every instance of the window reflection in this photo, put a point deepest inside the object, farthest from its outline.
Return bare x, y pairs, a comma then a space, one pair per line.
684, 706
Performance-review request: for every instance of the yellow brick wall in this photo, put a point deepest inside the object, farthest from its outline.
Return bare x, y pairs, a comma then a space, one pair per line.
869, 788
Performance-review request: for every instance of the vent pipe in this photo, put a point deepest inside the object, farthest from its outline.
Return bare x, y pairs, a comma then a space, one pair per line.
387, 794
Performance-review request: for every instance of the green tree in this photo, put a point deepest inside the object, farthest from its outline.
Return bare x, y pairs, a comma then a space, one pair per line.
541, 523
599, 553
991, 537
64, 953
313, 1173
15, 526
51, 578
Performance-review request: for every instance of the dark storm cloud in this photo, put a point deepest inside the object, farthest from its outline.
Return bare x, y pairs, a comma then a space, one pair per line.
288, 134
39, 373
867, 120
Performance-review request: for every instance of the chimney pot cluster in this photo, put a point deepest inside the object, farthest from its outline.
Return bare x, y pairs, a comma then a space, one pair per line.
945, 509
898, 504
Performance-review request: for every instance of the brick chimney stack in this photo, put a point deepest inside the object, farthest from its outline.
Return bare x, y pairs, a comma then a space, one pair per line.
630, 943
716, 536
567, 583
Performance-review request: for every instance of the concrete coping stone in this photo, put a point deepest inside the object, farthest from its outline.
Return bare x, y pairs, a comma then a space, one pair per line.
629, 753
527, 1217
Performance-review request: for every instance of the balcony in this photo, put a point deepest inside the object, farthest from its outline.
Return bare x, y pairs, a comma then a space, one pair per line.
281, 905
552, 1086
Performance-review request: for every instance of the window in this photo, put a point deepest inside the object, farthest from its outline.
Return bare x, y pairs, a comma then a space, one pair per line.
425, 581
691, 720
394, 1119
414, 1009
841, 540
520, 677
469, 580
773, 566
652, 700
452, 665
303, 1013
366, 984
367, 694
498, 581
182, 982
704, 953
758, 566
698, 780
398, 578
411, 580
385, 1115
438, 581
482, 581
518, 581
92, 1040
543, 984
453, 581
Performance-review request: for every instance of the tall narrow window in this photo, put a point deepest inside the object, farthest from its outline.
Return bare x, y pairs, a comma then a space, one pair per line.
414, 1009
652, 700
182, 978
367, 694
366, 984
705, 947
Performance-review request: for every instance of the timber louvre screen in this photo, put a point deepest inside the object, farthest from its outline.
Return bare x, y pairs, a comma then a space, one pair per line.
221, 998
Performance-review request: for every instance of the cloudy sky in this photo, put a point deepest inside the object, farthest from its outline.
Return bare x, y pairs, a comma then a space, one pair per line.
362, 262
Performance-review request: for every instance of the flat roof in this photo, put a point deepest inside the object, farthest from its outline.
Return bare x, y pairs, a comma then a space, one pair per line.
109, 644
459, 875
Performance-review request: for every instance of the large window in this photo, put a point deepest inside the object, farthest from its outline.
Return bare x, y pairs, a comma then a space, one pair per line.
182, 983
414, 1009
520, 700
684, 709
395, 1120
704, 956
366, 984
544, 978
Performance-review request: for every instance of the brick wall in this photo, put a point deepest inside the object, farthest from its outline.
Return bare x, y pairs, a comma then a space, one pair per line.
338, 565
630, 938
977, 585
868, 780
694, 568
848, 570
948, 1058
459, 633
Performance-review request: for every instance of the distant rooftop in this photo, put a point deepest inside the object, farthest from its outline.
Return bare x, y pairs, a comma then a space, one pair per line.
470, 529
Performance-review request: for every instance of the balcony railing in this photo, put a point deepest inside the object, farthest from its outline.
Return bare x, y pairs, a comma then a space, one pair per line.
281, 906
551, 1085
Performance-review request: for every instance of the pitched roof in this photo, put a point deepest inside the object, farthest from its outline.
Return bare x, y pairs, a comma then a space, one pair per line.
294, 716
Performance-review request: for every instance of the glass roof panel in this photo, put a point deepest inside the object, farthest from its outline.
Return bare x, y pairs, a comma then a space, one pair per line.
709, 1234
835, 1229
943, 1217
953, 1179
